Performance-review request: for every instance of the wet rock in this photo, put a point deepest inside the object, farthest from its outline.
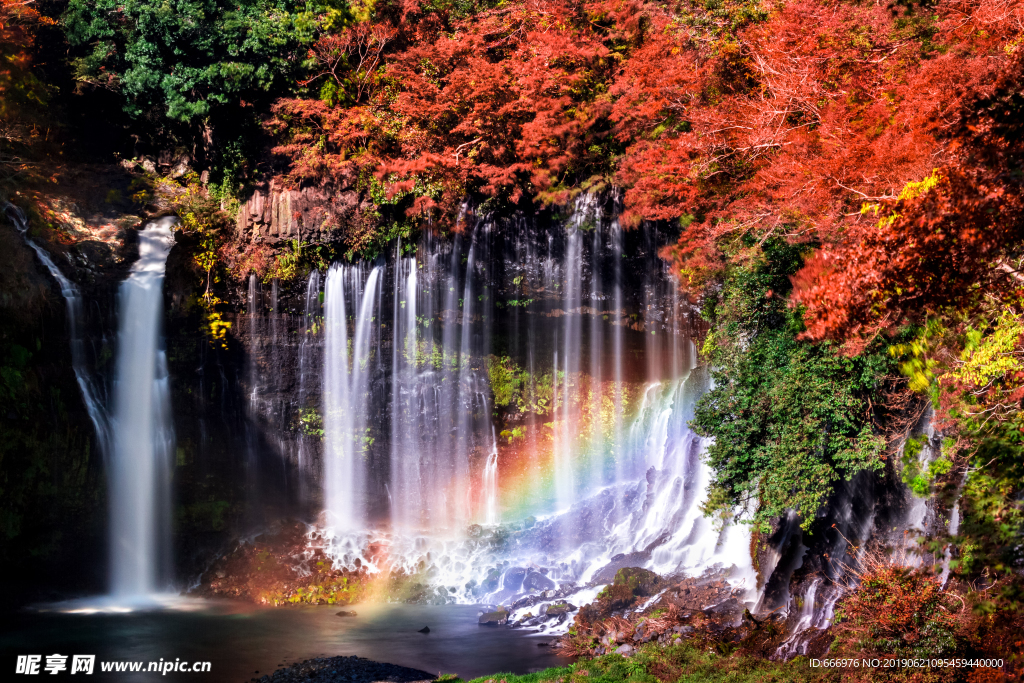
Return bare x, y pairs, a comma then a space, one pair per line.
490, 584
621, 561
425, 629
513, 578
528, 601
498, 618
559, 609
343, 613
536, 581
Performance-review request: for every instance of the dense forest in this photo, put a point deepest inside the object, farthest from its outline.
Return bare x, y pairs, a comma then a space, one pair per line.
842, 181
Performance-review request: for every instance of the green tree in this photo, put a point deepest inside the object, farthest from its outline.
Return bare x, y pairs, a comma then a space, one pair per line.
197, 68
788, 418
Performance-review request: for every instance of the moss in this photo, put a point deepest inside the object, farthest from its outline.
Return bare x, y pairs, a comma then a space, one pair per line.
506, 380
639, 581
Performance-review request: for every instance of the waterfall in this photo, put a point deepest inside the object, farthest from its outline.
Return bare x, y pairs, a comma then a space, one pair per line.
490, 487
307, 366
143, 436
618, 349
137, 437
567, 376
421, 459
816, 613
406, 458
346, 393
463, 409
73, 303
596, 334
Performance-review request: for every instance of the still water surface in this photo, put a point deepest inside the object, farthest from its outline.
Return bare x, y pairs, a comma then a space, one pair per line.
240, 640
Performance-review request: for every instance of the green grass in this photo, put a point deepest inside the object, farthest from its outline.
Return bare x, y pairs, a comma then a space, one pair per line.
684, 663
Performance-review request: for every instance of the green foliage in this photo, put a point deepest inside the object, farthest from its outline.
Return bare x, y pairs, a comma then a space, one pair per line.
287, 263
189, 57
514, 434
506, 380
206, 515
458, 9
789, 418
987, 358
516, 390
968, 363
311, 423
202, 220
12, 371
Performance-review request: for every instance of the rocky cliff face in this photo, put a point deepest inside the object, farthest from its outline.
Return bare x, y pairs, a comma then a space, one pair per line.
276, 213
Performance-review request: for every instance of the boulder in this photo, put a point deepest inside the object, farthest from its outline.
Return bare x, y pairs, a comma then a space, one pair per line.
536, 581
498, 618
343, 613
559, 609
512, 579
490, 584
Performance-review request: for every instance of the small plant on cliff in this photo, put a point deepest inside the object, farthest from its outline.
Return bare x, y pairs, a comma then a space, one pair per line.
201, 218
311, 423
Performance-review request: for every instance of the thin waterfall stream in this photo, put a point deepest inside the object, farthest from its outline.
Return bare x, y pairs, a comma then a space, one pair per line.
73, 300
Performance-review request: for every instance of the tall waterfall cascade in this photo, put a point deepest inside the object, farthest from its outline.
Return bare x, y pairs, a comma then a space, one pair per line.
134, 433
143, 436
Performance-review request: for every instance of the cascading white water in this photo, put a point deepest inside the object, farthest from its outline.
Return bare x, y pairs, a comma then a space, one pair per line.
439, 463
459, 498
567, 374
617, 349
816, 613
141, 424
73, 301
311, 321
406, 403
346, 388
490, 484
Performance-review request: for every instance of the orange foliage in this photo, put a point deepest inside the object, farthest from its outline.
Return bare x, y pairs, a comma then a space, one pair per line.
738, 120
934, 248
18, 22
506, 103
